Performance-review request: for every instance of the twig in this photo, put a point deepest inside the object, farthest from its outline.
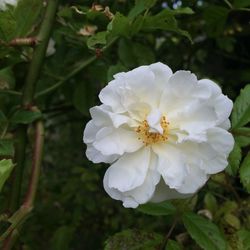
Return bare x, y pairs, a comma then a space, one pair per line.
81, 66
169, 233
10, 92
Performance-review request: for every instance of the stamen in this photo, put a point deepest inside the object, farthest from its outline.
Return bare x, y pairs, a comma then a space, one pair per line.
149, 138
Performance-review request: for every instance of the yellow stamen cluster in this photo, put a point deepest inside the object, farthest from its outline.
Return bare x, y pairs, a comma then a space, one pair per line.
152, 137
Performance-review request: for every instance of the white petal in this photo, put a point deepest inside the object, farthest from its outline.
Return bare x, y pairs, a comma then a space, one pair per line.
143, 193
138, 111
163, 192
171, 164
102, 116
129, 171
221, 140
183, 82
221, 103
223, 108
225, 125
110, 96
196, 118
162, 73
116, 141
138, 195
194, 180
154, 121
90, 131
97, 157
214, 88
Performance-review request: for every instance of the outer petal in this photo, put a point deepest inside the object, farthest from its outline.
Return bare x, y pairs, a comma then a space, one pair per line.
129, 171
216, 150
90, 131
116, 141
162, 74
221, 103
171, 164
97, 157
163, 192
103, 116
194, 180
140, 194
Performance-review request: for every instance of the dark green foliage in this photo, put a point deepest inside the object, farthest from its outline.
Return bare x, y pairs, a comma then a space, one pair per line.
72, 211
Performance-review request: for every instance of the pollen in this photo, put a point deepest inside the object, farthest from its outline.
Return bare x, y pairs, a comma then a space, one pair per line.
148, 137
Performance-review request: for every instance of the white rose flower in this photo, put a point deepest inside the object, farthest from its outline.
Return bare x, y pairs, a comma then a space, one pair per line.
4, 3
164, 134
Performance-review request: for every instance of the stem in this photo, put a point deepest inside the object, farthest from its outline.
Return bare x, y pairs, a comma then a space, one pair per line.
27, 98
169, 233
81, 66
71, 74
20, 145
10, 92
228, 4
36, 163
19, 217
39, 52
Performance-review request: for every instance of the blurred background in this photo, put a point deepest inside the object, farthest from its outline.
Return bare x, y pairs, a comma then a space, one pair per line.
72, 209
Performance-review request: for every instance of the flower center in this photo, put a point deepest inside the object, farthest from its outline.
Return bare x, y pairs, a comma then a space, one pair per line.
148, 137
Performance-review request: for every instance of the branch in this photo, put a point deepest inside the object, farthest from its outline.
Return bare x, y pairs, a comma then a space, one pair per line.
27, 98
20, 216
81, 66
39, 52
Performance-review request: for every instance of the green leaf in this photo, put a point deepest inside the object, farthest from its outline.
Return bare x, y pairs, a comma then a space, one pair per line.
173, 245
132, 53
6, 167
83, 98
241, 3
242, 141
234, 160
62, 238
126, 54
99, 38
232, 220
140, 6
6, 148
144, 54
165, 20
206, 234
25, 116
241, 110
133, 240
119, 26
7, 25
26, 14
113, 69
157, 209
215, 17
2, 117
7, 78
245, 172
210, 203
244, 240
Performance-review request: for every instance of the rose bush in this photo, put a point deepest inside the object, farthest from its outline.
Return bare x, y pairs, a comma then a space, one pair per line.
164, 134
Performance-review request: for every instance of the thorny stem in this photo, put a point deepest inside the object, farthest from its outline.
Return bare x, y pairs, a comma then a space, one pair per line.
18, 218
27, 98
39, 52
21, 139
